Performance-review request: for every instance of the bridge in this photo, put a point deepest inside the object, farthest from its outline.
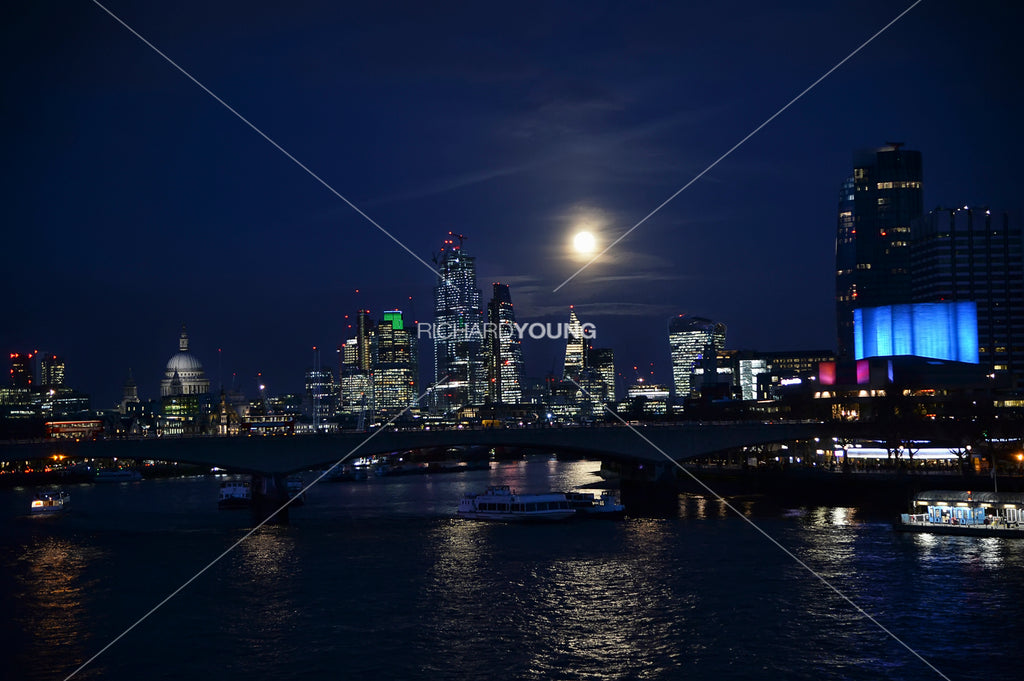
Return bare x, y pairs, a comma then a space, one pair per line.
290, 454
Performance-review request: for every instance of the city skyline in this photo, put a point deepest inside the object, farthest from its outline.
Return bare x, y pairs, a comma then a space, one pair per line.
139, 204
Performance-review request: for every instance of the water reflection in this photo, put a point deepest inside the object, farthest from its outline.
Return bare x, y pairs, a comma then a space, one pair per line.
266, 556
824, 516
612, 616
457, 581
51, 594
578, 600
976, 555
531, 476
260, 607
699, 507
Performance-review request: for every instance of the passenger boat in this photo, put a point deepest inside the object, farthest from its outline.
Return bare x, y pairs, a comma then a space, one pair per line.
589, 506
120, 475
503, 504
976, 514
50, 503
235, 494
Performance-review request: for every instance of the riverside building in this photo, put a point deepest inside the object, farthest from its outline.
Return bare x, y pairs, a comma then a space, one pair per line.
877, 205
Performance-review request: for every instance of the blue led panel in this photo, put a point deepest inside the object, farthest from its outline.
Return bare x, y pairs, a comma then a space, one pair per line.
936, 330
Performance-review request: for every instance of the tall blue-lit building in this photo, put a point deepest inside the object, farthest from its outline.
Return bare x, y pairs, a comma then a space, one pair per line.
458, 330
878, 203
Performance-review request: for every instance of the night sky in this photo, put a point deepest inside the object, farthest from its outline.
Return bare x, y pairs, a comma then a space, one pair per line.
134, 202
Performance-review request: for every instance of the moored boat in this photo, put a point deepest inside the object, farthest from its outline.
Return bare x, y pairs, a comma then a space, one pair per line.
977, 514
501, 503
50, 503
346, 474
235, 494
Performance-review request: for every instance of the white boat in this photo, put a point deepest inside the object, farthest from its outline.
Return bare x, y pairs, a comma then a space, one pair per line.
121, 475
50, 503
587, 505
503, 504
235, 494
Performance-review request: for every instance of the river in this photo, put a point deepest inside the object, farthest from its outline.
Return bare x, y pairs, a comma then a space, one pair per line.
377, 580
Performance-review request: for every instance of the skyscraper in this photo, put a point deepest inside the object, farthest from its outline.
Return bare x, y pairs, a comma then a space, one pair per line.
22, 373
364, 326
877, 205
394, 364
503, 349
51, 371
320, 392
574, 347
602, 360
458, 335
690, 339
975, 254
354, 389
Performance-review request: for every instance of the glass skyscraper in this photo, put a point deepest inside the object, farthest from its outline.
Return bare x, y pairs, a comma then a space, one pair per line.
458, 331
690, 339
394, 364
320, 394
877, 205
51, 371
574, 347
602, 360
503, 350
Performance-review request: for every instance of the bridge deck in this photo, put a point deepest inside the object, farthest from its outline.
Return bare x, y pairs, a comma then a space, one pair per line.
285, 454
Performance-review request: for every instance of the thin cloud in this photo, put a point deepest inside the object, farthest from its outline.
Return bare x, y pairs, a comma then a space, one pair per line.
568, 141
452, 183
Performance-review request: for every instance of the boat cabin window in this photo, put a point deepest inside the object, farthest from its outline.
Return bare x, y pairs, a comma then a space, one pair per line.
956, 515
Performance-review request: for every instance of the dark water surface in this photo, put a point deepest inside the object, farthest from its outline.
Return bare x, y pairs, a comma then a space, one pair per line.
377, 580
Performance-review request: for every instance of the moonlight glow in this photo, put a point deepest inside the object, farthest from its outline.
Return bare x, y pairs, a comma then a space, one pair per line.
584, 243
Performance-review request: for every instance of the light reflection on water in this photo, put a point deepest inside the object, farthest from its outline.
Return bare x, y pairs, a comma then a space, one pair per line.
261, 584
593, 602
53, 596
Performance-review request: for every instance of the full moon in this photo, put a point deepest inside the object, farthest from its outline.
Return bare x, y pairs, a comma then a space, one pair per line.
584, 243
